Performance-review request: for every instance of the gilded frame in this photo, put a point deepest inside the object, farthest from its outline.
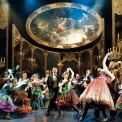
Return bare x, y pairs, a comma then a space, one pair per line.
63, 5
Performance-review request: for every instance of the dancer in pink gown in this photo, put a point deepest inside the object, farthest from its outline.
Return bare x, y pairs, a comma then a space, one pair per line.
98, 92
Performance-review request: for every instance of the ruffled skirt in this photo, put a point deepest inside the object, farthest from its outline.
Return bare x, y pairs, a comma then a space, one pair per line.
97, 91
68, 99
118, 104
6, 103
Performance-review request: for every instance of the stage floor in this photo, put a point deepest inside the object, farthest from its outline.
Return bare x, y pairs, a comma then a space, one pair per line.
67, 116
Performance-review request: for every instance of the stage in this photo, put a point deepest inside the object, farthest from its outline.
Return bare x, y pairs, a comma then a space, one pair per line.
67, 116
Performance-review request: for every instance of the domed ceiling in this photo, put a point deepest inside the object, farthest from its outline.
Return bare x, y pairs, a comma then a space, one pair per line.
64, 25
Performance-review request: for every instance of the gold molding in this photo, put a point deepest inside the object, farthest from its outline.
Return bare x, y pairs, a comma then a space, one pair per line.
69, 57
117, 6
116, 9
18, 39
63, 5
15, 40
4, 18
3, 15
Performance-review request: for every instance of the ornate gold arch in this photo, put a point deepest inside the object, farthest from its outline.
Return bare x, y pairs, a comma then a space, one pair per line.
69, 57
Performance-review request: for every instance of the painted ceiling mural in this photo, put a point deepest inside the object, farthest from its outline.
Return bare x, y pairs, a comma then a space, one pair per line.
64, 25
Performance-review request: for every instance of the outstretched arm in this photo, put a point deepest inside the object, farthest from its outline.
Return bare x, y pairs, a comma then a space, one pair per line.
72, 73
71, 77
112, 77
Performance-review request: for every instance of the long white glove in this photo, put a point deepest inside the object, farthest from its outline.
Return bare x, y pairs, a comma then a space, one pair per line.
106, 68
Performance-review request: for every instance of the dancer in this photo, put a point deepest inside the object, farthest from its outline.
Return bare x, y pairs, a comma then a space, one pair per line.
23, 81
113, 87
35, 89
77, 85
35, 99
52, 83
6, 102
86, 79
118, 104
67, 96
98, 92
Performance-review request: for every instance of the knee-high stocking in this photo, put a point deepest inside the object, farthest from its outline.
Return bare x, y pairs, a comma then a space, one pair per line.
76, 108
87, 106
102, 108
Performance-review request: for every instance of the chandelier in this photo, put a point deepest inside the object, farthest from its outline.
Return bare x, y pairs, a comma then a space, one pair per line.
116, 53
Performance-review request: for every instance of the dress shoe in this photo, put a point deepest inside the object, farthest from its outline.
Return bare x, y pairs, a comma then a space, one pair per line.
60, 112
104, 120
47, 114
112, 117
8, 118
43, 107
81, 119
78, 113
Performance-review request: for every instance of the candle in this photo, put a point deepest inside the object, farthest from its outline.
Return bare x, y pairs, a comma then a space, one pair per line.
113, 49
116, 49
118, 36
2, 59
108, 50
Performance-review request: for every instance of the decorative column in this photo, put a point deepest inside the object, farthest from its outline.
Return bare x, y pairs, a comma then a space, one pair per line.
21, 55
45, 59
99, 55
91, 53
16, 40
4, 7
32, 60
60, 64
79, 63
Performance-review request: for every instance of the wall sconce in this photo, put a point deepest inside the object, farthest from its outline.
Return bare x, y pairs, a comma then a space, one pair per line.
2, 62
60, 64
32, 60
99, 58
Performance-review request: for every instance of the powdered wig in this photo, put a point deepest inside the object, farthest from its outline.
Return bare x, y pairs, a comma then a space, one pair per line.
112, 64
100, 71
119, 65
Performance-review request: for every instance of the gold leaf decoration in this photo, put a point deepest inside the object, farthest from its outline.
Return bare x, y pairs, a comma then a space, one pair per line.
117, 7
3, 15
